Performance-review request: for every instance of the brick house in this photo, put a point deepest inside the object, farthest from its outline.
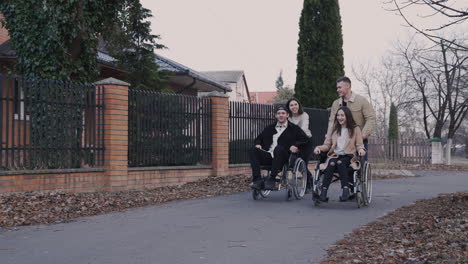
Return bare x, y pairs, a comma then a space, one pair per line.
262, 97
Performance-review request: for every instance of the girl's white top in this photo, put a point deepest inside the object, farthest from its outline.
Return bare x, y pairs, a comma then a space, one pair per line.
341, 142
302, 121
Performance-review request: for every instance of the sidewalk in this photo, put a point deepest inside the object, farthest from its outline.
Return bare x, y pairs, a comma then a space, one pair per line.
227, 229
456, 160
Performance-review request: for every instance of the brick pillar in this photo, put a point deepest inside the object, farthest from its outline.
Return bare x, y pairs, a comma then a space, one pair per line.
220, 133
115, 133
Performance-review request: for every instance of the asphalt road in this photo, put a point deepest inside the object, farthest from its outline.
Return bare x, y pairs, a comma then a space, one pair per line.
225, 229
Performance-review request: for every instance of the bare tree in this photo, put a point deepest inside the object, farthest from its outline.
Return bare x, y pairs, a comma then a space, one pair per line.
454, 13
440, 75
387, 83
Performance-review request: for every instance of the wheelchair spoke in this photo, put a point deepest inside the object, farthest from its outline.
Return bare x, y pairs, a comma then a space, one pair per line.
368, 184
300, 179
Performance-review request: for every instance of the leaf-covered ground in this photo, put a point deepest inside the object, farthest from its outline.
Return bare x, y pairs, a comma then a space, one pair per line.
430, 231
53, 207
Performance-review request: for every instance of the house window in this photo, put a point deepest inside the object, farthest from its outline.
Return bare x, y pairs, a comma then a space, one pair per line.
18, 102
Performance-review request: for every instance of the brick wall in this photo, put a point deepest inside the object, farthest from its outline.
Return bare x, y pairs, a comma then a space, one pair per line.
48, 180
150, 178
116, 175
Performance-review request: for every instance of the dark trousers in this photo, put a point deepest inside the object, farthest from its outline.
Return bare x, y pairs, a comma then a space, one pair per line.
260, 157
366, 146
340, 164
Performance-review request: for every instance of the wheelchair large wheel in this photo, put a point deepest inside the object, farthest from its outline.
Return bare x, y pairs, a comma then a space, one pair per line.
299, 179
367, 183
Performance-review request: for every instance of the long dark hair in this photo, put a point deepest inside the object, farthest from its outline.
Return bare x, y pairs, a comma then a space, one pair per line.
300, 110
350, 123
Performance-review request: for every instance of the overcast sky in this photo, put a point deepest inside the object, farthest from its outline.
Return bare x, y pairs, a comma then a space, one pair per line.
260, 36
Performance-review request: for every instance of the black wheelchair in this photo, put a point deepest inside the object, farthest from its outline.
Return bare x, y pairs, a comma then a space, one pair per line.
360, 183
292, 179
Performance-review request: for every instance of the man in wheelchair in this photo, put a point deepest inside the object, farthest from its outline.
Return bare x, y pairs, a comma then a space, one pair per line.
273, 147
341, 147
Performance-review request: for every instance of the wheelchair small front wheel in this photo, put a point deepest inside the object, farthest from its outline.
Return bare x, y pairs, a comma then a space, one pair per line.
257, 194
316, 185
359, 200
264, 193
289, 194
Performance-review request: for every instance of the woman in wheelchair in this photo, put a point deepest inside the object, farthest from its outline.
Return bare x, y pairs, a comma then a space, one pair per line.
344, 141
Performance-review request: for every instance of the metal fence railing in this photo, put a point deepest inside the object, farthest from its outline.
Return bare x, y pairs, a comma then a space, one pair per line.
404, 150
168, 129
247, 120
47, 124
318, 125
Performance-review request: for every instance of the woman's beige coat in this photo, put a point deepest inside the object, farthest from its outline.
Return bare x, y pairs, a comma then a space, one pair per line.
353, 145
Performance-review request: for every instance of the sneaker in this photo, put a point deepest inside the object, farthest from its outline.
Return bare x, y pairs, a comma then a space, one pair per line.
258, 185
323, 195
345, 196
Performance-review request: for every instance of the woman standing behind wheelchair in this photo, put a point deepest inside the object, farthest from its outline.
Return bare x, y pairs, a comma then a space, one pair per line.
300, 118
342, 145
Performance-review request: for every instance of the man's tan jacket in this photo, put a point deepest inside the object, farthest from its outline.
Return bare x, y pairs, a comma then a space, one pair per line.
362, 111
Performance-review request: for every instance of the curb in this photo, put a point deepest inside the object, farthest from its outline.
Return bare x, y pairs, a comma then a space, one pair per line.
405, 173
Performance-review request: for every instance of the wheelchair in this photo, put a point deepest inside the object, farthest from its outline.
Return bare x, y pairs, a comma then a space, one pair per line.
360, 183
292, 179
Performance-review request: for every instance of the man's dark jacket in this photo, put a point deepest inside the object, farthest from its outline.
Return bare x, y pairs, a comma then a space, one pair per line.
293, 135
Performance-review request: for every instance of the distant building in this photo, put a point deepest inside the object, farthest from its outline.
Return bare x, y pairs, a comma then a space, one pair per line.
235, 80
262, 97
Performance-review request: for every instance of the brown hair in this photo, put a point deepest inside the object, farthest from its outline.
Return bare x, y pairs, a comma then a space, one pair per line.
350, 123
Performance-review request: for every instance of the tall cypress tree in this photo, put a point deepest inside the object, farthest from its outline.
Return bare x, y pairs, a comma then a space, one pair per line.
393, 146
393, 123
320, 53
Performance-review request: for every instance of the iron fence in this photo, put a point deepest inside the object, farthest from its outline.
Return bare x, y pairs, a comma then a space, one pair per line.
247, 120
47, 124
318, 125
168, 129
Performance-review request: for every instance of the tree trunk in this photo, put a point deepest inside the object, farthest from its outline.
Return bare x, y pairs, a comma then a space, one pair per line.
438, 129
448, 152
